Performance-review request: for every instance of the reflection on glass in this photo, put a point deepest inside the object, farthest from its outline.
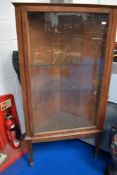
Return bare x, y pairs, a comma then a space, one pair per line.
66, 64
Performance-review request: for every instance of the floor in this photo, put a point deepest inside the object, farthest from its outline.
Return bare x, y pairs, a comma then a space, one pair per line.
71, 157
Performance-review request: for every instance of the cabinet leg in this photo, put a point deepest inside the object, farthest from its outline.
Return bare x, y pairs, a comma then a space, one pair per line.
97, 144
29, 145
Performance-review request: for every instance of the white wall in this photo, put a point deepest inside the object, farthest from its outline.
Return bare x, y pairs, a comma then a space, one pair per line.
8, 42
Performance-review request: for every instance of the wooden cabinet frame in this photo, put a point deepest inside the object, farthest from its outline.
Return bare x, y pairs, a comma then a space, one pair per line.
23, 45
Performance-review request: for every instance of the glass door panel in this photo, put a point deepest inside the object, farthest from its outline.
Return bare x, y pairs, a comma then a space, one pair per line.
66, 65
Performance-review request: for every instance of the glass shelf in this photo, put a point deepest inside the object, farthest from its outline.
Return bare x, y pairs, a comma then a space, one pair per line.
65, 85
61, 65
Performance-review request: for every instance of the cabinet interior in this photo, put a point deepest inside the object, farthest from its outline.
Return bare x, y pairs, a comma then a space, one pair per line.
66, 56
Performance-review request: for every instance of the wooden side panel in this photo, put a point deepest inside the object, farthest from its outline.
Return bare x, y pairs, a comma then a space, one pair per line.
107, 69
22, 68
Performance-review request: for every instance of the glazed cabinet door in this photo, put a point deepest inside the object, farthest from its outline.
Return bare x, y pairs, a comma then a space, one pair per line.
66, 57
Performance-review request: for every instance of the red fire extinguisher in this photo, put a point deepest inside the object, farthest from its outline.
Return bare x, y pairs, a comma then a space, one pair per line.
12, 130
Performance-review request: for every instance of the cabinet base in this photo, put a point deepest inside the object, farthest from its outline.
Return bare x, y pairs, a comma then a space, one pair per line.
29, 146
97, 133
97, 144
31, 163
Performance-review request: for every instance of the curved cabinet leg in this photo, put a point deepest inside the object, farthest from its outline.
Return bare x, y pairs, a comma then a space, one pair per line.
97, 144
29, 145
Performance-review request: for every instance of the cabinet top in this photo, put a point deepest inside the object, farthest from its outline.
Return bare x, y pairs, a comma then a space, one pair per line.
93, 2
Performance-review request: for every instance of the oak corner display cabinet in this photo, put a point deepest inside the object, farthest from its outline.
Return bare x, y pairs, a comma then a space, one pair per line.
65, 53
